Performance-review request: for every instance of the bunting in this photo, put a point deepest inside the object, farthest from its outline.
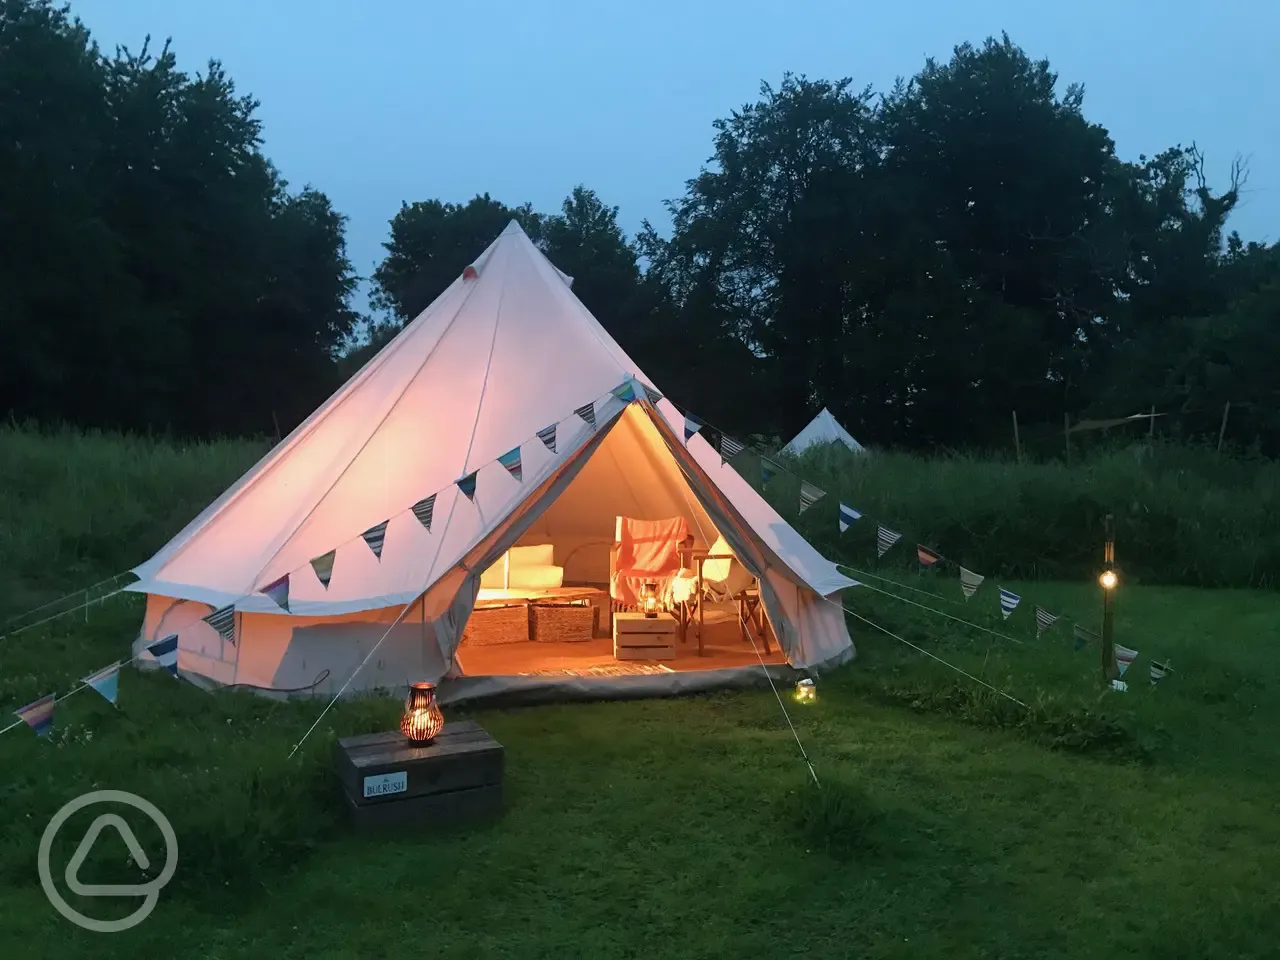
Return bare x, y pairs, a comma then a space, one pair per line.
691, 426
809, 495
106, 682
511, 460
1159, 671
166, 653
224, 621
1044, 619
38, 715
651, 394
548, 437
1124, 658
375, 537
588, 413
1082, 637
468, 483
730, 448
970, 582
885, 539
847, 516
1008, 602
626, 392
278, 591
425, 509
926, 556
323, 566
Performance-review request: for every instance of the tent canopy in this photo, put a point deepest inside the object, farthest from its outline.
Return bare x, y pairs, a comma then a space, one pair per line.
822, 429
506, 354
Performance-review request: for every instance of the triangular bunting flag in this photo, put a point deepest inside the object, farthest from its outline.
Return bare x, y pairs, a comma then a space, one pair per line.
1044, 619
1124, 657
468, 484
548, 437
511, 460
375, 537
885, 538
626, 392
970, 582
278, 591
847, 516
809, 495
323, 566
1008, 602
38, 715
425, 511
224, 621
652, 395
691, 426
729, 447
1159, 671
926, 556
588, 413
106, 682
768, 470
1081, 637
166, 652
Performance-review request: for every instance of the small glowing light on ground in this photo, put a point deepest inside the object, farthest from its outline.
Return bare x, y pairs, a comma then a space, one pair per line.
806, 691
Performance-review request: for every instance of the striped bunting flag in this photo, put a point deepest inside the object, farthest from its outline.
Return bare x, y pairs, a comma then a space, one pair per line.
1008, 602
323, 566
691, 426
548, 437
1081, 638
588, 413
652, 395
468, 483
1124, 657
926, 556
166, 653
885, 538
847, 516
511, 460
970, 582
730, 448
375, 537
626, 392
425, 510
809, 495
768, 470
1159, 671
224, 621
278, 590
1044, 619
38, 715
106, 682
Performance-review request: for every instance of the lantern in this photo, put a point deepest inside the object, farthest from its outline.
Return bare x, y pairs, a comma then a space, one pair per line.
1108, 580
649, 599
422, 719
806, 691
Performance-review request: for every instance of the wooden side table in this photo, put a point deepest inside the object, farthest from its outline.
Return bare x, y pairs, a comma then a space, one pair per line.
637, 637
389, 782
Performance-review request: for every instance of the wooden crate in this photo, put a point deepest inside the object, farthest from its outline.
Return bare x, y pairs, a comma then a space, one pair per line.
561, 623
492, 625
637, 637
387, 782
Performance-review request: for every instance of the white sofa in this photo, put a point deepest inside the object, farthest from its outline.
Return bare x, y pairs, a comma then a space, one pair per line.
530, 568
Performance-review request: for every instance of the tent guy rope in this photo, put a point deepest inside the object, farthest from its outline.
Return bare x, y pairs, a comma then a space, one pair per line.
941, 613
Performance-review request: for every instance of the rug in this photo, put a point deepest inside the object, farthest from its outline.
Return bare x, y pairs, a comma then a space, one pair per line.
605, 670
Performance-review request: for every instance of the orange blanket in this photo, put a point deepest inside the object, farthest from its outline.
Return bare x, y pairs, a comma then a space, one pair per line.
650, 548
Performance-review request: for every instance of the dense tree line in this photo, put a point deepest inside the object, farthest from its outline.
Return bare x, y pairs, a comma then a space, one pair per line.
922, 261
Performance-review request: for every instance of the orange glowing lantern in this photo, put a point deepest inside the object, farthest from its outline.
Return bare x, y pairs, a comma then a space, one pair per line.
422, 720
649, 599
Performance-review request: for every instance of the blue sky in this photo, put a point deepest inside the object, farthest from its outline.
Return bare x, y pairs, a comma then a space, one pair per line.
389, 100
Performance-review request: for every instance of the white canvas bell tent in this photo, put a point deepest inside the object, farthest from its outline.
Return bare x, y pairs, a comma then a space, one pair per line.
506, 354
821, 430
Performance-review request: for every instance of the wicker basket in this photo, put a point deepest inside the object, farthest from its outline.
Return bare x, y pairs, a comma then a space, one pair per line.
555, 623
493, 625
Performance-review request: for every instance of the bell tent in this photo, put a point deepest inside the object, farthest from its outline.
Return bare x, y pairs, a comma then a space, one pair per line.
452, 513
821, 430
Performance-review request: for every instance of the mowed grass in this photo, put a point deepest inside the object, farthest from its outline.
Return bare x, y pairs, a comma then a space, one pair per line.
951, 822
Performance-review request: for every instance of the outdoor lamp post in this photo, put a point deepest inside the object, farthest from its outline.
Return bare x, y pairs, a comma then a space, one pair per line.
1108, 580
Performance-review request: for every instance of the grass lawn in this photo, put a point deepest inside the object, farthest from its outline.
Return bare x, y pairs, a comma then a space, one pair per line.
951, 823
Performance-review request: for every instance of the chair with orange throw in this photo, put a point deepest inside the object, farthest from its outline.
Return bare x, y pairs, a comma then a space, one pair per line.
643, 551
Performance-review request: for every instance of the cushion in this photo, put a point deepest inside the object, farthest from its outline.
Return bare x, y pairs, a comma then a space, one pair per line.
537, 555
541, 577
495, 577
